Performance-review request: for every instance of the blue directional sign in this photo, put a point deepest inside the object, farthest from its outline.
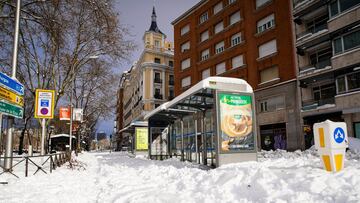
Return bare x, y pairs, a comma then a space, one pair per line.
11, 84
339, 135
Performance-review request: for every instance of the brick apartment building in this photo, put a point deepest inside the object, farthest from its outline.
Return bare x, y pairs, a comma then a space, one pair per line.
248, 39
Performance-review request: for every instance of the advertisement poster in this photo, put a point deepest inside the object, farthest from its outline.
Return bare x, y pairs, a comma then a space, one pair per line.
141, 138
235, 122
64, 113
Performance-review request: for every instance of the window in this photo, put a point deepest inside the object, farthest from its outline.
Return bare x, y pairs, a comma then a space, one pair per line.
321, 59
205, 73
231, 1
339, 6
324, 92
219, 27
171, 63
261, 2
317, 24
157, 43
265, 23
185, 29
157, 76
235, 39
204, 36
171, 93
157, 60
218, 7
219, 47
348, 83
272, 104
269, 74
185, 46
205, 54
171, 79
357, 130
185, 64
237, 61
157, 91
346, 42
234, 18
220, 68
204, 17
185, 82
267, 49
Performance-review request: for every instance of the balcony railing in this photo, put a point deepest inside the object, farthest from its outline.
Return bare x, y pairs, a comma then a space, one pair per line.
158, 96
313, 104
319, 65
157, 80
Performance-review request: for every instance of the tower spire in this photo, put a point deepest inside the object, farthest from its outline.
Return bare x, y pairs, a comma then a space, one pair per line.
153, 26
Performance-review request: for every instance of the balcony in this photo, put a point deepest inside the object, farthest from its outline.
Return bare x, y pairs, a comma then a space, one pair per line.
318, 67
345, 59
157, 80
317, 104
158, 96
344, 19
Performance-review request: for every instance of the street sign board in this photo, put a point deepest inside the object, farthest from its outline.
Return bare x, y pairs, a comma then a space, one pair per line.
11, 110
44, 103
11, 84
64, 113
11, 97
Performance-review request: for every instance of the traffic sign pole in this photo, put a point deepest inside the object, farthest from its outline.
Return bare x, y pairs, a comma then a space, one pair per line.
9, 140
1, 142
42, 152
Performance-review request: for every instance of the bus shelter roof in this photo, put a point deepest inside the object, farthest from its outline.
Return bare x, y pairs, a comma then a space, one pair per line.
199, 97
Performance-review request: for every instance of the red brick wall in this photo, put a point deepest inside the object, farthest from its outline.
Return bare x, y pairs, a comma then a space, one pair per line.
284, 59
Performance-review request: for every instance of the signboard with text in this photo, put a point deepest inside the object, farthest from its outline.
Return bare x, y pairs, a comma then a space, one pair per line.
141, 138
64, 113
235, 117
44, 103
11, 97
11, 84
11, 110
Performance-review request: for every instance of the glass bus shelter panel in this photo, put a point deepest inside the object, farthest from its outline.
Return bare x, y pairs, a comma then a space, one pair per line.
159, 143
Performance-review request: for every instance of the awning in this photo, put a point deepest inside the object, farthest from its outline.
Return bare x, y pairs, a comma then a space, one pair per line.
61, 135
131, 126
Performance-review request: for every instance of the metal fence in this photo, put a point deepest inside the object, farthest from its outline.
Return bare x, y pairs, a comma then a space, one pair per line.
34, 164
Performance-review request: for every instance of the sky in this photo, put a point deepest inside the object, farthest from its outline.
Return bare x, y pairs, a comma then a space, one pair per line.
136, 16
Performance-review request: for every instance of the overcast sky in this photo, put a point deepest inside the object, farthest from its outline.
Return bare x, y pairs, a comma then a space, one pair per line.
136, 15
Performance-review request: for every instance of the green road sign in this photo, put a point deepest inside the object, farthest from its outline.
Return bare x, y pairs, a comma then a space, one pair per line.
11, 110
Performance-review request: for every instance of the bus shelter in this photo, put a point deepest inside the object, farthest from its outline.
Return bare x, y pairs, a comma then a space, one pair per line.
212, 123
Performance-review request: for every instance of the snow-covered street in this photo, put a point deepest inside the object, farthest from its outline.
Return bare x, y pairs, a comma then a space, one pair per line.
278, 176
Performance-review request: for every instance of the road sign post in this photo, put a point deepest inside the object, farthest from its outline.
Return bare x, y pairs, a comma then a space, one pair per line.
44, 108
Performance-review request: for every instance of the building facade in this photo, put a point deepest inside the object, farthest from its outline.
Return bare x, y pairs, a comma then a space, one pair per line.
150, 80
328, 54
252, 40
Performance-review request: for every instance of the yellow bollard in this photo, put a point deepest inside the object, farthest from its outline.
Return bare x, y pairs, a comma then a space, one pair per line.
331, 142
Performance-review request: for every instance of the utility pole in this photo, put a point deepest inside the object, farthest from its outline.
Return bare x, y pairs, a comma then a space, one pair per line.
9, 140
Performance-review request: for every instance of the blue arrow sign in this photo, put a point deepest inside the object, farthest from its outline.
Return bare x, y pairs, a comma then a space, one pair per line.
11, 84
339, 135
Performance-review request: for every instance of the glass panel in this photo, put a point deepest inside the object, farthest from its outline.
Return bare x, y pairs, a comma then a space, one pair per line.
341, 84
352, 40
353, 81
357, 130
334, 8
346, 4
337, 46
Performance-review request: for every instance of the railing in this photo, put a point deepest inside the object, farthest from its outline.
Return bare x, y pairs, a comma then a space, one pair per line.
43, 163
158, 96
319, 65
157, 80
313, 104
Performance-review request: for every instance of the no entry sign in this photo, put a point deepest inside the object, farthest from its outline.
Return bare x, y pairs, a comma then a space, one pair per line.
44, 103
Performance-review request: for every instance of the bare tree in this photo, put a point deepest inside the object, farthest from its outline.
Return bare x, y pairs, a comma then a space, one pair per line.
57, 39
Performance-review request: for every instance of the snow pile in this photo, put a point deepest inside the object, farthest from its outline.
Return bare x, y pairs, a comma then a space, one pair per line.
354, 144
278, 176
